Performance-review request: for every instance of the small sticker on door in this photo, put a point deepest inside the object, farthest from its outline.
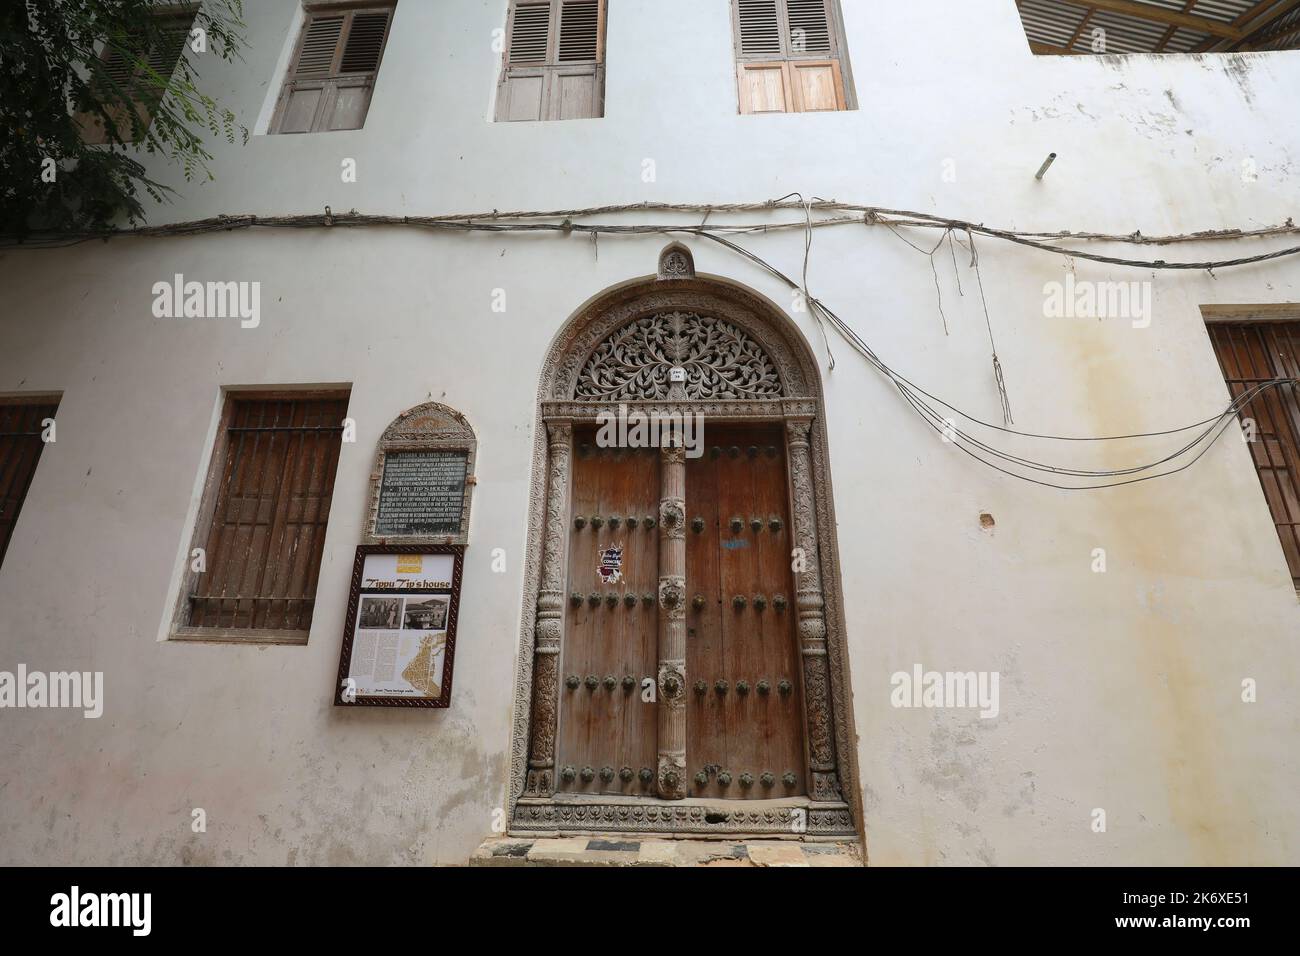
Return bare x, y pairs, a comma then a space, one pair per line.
611, 565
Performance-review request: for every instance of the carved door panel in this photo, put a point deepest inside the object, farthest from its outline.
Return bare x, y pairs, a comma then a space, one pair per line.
744, 716
607, 733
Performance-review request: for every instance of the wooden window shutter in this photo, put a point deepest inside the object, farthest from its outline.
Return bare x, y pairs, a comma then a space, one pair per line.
264, 517
759, 28
808, 28
320, 45
334, 71
1251, 353
579, 31
530, 34
788, 56
817, 85
130, 75
365, 42
21, 445
165, 54
553, 67
765, 88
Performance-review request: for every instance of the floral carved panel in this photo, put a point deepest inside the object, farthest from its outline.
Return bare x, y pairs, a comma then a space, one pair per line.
719, 361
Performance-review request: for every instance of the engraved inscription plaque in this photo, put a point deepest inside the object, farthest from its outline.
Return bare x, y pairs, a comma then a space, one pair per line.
422, 493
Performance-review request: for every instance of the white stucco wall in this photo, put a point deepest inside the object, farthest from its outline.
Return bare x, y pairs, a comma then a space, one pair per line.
1119, 690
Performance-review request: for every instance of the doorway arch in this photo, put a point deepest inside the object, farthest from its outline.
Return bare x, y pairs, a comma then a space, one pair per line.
678, 344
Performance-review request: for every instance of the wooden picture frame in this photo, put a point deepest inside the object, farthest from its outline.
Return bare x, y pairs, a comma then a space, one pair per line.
358, 593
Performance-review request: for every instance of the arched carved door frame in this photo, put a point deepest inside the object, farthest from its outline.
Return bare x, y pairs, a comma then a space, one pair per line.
829, 809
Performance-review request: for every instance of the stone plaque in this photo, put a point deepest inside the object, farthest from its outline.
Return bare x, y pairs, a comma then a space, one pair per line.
422, 493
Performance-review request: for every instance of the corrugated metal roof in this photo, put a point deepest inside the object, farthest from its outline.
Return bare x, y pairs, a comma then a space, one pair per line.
1160, 26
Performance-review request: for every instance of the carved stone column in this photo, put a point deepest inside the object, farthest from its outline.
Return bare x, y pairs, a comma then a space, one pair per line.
672, 625
550, 615
823, 781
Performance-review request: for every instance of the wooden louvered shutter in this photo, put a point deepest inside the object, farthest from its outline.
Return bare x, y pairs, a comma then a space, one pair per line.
333, 76
788, 56
132, 77
759, 29
808, 28
761, 71
576, 87
264, 518
530, 34
816, 83
523, 82
166, 53
554, 61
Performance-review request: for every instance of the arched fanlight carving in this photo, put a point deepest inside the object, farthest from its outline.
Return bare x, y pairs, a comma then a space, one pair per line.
719, 361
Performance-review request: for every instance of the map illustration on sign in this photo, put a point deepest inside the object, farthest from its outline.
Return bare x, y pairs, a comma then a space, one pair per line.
424, 673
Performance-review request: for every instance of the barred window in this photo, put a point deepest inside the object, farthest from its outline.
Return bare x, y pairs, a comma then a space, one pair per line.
1250, 354
262, 526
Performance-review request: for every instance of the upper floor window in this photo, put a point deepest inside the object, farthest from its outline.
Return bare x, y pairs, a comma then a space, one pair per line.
332, 76
554, 61
129, 72
790, 56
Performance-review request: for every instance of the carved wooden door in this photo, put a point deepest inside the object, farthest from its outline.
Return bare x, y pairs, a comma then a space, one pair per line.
607, 719
744, 719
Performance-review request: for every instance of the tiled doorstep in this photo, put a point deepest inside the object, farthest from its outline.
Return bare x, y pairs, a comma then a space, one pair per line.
615, 851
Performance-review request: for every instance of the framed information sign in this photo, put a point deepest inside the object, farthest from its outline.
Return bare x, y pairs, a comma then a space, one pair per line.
399, 638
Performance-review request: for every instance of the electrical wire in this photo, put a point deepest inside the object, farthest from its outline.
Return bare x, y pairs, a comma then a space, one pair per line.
960, 438
918, 398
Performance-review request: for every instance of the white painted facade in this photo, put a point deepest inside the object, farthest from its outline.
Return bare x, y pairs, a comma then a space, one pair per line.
1119, 690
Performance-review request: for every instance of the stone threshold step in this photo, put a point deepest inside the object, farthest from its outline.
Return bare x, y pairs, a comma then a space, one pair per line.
621, 851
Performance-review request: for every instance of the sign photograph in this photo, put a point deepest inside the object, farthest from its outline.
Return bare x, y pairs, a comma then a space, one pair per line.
400, 634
